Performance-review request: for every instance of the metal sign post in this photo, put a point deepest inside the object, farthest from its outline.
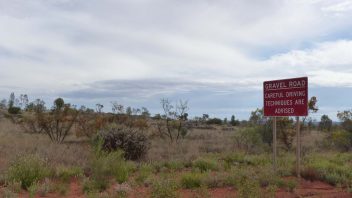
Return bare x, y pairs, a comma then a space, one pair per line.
274, 144
298, 148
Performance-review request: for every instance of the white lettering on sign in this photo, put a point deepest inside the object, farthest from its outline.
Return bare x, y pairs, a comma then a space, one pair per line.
295, 93
284, 110
285, 85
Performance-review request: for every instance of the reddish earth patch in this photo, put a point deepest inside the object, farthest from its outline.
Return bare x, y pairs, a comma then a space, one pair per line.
213, 192
320, 189
305, 188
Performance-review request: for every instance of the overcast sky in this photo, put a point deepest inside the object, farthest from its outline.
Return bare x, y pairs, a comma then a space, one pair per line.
214, 53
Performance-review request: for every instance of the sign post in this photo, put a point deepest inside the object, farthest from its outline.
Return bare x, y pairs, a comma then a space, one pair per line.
298, 149
284, 98
274, 144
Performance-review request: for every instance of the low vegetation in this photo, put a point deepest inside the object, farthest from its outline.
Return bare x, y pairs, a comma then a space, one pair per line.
116, 154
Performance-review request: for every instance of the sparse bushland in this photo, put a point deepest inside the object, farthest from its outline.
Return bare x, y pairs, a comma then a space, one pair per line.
211, 157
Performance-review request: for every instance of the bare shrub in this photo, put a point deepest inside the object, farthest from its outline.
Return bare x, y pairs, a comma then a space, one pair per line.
172, 124
58, 122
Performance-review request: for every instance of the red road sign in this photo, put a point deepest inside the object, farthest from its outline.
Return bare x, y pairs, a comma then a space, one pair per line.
287, 97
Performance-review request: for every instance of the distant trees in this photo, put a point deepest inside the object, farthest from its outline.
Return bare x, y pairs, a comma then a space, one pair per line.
12, 108
216, 121
233, 121
343, 138
257, 117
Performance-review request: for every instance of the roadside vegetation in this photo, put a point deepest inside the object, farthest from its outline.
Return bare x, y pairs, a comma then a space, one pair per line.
45, 150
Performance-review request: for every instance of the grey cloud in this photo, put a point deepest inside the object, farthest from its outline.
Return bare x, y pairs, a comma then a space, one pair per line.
147, 88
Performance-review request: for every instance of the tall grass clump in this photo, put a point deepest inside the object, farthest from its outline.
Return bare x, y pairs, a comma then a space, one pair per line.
204, 164
144, 173
27, 170
164, 188
105, 165
191, 180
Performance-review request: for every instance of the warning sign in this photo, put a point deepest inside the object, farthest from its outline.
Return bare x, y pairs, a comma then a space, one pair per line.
287, 97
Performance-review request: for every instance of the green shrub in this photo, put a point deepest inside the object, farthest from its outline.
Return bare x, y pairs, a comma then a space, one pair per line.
215, 180
191, 180
88, 186
205, 164
33, 190
248, 188
121, 173
144, 172
291, 185
248, 140
61, 188
109, 164
27, 170
332, 168
174, 165
66, 173
14, 110
164, 188
342, 139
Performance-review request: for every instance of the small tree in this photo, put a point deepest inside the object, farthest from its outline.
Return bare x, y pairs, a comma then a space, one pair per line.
325, 123
58, 122
233, 121
34, 112
12, 105
172, 122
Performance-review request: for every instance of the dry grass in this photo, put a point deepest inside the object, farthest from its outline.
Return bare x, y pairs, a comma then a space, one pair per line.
14, 142
75, 152
197, 143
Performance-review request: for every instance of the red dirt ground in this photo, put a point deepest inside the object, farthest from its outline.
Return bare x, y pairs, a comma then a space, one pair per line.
305, 188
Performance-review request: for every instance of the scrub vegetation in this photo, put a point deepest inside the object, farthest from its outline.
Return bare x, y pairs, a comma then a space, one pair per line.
51, 151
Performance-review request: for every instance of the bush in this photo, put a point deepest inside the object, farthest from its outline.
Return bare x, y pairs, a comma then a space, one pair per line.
66, 173
27, 170
174, 165
109, 164
133, 142
205, 164
164, 189
14, 110
248, 188
217, 121
191, 180
249, 140
144, 172
342, 140
33, 190
334, 169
